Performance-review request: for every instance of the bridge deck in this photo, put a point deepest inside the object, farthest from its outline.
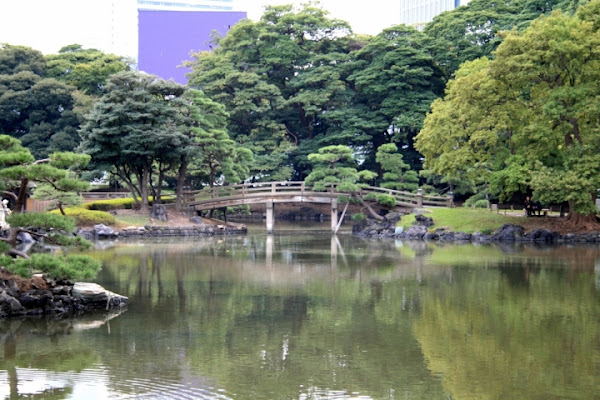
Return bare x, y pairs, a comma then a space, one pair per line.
297, 192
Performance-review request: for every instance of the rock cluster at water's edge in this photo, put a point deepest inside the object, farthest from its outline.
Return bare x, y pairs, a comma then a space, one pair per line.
101, 231
43, 296
506, 233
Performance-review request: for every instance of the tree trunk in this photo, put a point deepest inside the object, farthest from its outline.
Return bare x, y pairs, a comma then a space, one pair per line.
60, 207
22, 197
369, 208
180, 183
144, 189
581, 222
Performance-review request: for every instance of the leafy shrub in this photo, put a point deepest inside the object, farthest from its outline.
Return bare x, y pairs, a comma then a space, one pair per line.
88, 217
42, 220
482, 204
470, 202
386, 200
108, 205
74, 267
358, 217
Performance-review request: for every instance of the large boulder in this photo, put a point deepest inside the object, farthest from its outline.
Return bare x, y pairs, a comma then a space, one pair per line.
509, 232
422, 220
159, 212
102, 231
197, 220
416, 232
94, 294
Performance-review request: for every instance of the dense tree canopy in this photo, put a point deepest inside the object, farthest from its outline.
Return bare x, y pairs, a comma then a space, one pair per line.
135, 130
472, 31
528, 119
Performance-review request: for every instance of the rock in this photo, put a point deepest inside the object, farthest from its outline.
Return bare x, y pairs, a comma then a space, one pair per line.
399, 230
480, 237
508, 232
25, 238
93, 294
392, 217
543, 235
8, 304
431, 236
102, 231
416, 232
423, 220
462, 236
159, 212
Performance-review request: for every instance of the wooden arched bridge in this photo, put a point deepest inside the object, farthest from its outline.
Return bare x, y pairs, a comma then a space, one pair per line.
270, 193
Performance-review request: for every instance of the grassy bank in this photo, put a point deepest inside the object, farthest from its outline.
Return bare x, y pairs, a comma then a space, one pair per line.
464, 219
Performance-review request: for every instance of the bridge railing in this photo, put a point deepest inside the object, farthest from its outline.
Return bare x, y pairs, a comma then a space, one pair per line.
259, 189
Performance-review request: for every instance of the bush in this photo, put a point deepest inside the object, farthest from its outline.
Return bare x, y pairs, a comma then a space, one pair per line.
470, 202
108, 205
75, 267
88, 217
482, 204
386, 200
358, 217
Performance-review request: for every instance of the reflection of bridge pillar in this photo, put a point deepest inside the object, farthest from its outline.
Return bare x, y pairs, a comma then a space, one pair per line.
270, 217
334, 251
269, 252
334, 214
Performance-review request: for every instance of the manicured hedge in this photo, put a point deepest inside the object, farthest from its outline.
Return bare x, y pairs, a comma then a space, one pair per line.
88, 217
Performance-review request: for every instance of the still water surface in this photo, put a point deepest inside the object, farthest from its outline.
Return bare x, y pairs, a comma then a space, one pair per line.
308, 316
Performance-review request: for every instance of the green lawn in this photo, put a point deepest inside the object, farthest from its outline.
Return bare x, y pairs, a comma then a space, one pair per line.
463, 219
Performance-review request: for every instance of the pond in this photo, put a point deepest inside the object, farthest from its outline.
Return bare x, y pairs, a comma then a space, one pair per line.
303, 315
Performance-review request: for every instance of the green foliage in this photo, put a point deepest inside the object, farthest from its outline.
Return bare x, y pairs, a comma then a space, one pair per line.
398, 175
86, 69
386, 200
74, 267
46, 221
136, 130
473, 30
524, 121
34, 108
335, 166
277, 78
358, 217
470, 202
483, 203
87, 217
111, 204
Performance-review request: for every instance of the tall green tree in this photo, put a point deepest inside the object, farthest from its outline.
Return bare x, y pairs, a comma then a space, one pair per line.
395, 81
135, 131
276, 78
211, 154
527, 119
472, 31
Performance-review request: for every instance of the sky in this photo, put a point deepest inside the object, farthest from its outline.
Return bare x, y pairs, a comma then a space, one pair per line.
48, 25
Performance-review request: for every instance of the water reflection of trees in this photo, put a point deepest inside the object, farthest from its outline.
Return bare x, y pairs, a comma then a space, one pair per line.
263, 318
527, 329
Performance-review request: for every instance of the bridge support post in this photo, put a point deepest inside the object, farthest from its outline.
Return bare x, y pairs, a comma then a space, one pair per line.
334, 214
270, 217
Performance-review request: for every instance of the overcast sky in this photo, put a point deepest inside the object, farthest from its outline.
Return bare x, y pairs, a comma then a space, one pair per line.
49, 25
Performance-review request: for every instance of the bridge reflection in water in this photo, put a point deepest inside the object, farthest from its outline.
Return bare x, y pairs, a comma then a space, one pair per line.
269, 193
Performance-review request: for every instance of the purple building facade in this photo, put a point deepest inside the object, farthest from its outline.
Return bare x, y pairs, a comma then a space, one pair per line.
166, 38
